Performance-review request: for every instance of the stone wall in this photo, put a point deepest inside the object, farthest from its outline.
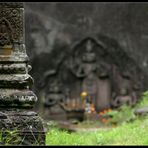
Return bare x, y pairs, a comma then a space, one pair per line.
51, 26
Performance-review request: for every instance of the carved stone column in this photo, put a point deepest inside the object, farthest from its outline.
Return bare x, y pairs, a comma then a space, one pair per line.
16, 98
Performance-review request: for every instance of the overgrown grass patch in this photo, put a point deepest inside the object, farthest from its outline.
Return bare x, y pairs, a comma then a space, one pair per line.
126, 134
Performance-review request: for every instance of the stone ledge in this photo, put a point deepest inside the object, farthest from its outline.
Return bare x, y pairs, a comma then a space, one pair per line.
16, 81
17, 98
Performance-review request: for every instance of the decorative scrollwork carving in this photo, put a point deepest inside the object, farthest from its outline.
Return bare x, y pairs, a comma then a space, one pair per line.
11, 23
12, 4
5, 32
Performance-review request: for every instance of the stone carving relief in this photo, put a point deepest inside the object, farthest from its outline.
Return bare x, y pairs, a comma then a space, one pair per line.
98, 66
11, 25
92, 73
5, 32
54, 98
11, 5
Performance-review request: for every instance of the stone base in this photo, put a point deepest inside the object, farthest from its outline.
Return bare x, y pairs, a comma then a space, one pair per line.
21, 128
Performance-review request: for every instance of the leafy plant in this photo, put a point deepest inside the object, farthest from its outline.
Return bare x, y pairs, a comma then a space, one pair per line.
9, 137
124, 114
12, 137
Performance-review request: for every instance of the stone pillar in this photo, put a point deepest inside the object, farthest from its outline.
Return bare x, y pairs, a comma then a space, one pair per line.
16, 98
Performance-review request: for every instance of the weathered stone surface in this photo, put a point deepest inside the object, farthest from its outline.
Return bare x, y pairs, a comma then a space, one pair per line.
11, 21
96, 65
52, 30
142, 111
16, 81
27, 125
16, 98
11, 68
11, 4
51, 24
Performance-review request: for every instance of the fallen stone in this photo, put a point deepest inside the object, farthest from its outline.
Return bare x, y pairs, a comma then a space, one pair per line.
142, 111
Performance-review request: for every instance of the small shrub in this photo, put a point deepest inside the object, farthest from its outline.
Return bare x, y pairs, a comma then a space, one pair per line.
8, 137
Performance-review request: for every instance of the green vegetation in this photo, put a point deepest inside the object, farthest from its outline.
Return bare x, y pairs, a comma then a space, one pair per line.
126, 134
131, 130
8, 138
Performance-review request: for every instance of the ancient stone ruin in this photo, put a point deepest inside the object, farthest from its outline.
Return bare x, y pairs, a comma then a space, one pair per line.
97, 66
16, 98
82, 54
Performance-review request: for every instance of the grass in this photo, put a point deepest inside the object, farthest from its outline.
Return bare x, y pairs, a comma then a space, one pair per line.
126, 133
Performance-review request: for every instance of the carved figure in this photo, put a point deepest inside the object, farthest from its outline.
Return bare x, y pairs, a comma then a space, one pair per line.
53, 100
5, 32
88, 64
123, 98
95, 78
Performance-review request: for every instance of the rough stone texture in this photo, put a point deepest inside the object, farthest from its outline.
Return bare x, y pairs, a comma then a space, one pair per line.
142, 111
54, 28
27, 125
16, 98
61, 22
